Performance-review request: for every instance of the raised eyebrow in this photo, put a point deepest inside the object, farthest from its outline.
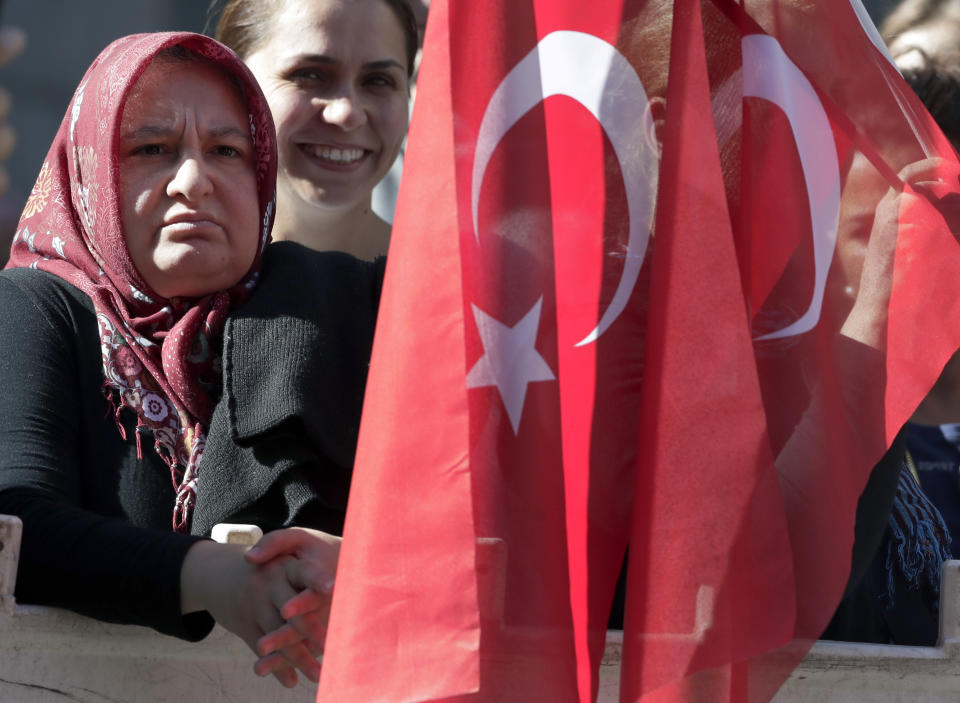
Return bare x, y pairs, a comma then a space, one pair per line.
231, 132
316, 58
380, 64
147, 132
383, 64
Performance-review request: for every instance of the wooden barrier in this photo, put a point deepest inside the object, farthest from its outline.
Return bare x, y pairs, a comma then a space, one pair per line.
47, 654
851, 672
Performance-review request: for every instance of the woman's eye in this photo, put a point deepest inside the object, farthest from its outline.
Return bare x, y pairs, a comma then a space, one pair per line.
381, 81
228, 151
307, 74
149, 150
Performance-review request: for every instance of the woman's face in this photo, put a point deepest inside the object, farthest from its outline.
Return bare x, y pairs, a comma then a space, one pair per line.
335, 76
188, 191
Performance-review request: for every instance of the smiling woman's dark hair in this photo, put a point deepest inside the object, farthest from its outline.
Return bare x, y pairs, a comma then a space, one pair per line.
937, 83
244, 25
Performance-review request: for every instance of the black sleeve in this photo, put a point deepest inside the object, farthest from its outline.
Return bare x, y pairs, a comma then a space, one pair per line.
101, 567
873, 511
72, 557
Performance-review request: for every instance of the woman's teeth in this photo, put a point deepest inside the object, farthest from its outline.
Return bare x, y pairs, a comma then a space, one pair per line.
340, 156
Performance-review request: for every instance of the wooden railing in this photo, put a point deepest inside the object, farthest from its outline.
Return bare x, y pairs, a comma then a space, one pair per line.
47, 654
852, 672
51, 655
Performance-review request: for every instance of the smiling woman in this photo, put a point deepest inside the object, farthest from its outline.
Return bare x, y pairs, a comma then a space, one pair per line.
145, 228
336, 75
282, 443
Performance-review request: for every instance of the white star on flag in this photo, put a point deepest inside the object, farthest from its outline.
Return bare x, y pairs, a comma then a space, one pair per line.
510, 361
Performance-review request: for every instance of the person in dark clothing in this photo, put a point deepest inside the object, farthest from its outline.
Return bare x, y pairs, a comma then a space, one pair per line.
145, 227
933, 433
895, 599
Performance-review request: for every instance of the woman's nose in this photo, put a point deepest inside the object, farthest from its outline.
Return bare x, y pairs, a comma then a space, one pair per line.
345, 111
190, 180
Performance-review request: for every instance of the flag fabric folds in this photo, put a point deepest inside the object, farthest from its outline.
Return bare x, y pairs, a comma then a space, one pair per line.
666, 278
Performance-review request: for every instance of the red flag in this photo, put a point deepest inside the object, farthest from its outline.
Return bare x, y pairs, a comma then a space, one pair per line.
713, 500
585, 344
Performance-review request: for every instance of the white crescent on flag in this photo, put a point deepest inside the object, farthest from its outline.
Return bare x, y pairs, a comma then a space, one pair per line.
592, 72
768, 73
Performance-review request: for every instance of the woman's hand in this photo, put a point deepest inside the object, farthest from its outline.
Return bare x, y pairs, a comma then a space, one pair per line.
309, 560
247, 598
935, 180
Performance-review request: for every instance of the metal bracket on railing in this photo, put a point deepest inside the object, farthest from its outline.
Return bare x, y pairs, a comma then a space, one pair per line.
10, 530
229, 533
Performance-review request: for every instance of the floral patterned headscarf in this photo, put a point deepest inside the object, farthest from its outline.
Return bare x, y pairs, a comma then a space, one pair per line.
159, 356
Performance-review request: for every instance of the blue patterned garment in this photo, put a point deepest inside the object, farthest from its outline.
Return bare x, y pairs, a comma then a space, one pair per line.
935, 451
897, 599
918, 541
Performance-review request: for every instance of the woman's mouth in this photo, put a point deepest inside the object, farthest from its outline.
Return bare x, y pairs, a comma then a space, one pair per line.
184, 226
335, 156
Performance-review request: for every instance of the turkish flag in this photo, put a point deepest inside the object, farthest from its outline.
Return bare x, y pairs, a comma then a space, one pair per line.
658, 272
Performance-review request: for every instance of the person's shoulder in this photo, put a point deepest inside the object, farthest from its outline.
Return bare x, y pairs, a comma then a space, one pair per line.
305, 277
287, 257
31, 280
25, 290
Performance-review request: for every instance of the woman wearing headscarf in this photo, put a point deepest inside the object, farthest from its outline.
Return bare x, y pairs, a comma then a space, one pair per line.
145, 227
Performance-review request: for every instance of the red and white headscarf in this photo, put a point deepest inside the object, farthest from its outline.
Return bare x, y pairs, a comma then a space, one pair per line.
159, 355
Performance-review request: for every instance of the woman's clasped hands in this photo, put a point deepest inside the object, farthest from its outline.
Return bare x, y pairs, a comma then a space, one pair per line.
275, 596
